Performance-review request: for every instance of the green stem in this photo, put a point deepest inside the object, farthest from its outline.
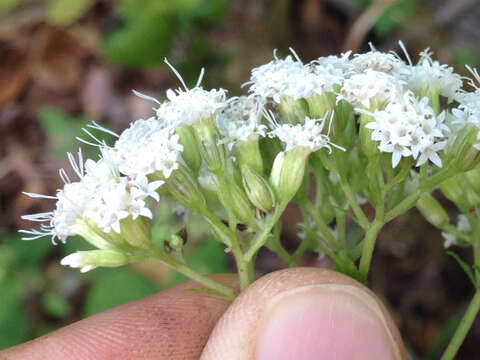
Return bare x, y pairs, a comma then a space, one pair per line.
261, 238
357, 210
322, 226
368, 246
463, 328
244, 274
169, 260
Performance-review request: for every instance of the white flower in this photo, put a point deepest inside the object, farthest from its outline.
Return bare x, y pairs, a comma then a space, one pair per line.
146, 147
190, 105
101, 196
371, 88
186, 106
375, 60
431, 75
409, 127
449, 239
289, 77
241, 120
310, 135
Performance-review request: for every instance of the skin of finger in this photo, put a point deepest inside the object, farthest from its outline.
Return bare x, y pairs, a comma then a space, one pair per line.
173, 324
235, 335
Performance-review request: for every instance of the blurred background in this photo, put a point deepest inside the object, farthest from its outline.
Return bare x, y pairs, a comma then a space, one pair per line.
64, 63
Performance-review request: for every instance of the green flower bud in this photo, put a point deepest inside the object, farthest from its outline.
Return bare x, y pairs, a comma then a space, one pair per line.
174, 243
463, 156
211, 152
88, 260
248, 153
190, 152
241, 206
344, 126
368, 146
454, 190
288, 172
473, 178
258, 190
293, 111
432, 210
184, 188
321, 105
137, 232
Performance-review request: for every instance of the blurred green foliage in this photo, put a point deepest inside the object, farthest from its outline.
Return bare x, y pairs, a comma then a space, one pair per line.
393, 17
150, 27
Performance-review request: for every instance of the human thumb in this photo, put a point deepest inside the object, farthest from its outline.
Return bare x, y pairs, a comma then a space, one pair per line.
304, 314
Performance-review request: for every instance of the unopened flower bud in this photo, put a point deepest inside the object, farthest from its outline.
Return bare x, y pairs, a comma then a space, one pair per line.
136, 232
248, 154
454, 189
288, 172
464, 156
368, 146
190, 152
241, 206
258, 190
176, 242
207, 137
321, 105
89, 260
432, 210
184, 188
473, 178
293, 111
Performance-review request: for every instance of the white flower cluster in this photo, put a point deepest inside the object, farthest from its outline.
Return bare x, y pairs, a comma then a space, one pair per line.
289, 77
310, 135
409, 127
241, 120
399, 96
101, 196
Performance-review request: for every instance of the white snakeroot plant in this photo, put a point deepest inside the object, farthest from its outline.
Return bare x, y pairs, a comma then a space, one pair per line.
333, 135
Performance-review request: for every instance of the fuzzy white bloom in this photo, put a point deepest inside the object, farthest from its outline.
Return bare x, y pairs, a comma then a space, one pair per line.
371, 88
241, 120
148, 146
186, 106
375, 60
409, 127
468, 110
190, 105
463, 225
310, 135
429, 74
289, 77
101, 196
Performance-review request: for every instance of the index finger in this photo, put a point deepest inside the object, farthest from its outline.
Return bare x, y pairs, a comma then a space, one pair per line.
172, 324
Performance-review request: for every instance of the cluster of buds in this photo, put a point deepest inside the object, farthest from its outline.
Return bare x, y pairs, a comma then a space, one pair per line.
241, 160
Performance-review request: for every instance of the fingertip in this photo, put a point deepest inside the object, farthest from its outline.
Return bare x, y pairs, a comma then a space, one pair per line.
305, 313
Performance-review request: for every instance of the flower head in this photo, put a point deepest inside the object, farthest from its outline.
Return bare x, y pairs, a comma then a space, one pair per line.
429, 74
148, 146
409, 127
241, 120
371, 88
311, 135
289, 77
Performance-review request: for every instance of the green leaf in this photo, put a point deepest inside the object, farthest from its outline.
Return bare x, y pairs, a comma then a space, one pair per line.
7, 5
464, 266
66, 12
115, 286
